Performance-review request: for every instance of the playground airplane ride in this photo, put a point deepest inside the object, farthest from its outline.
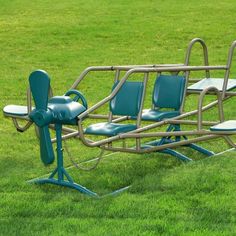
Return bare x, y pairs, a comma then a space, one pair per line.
126, 103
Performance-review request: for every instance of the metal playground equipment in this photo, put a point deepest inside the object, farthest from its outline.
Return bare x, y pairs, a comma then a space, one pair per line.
127, 120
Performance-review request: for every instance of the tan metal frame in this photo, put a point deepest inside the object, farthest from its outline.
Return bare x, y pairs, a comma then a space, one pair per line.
138, 133
176, 69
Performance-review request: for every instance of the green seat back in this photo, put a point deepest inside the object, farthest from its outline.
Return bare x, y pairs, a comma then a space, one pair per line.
127, 101
168, 91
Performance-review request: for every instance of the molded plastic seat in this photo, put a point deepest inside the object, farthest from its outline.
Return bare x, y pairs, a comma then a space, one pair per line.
216, 82
168, 94
127, 102
109, 129
229, 125
15, 110
155, 115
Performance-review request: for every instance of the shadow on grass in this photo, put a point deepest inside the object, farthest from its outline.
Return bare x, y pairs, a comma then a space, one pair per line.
120, 170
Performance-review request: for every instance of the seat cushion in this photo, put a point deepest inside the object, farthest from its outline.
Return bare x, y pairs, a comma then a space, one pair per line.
15, 110
168, 91
127, 101
155, 115
229, 125
109, 129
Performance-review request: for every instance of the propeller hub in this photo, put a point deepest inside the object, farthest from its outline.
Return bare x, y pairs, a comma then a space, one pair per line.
41, 117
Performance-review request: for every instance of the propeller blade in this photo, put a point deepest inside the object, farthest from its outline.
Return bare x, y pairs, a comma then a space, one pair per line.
39, 85
46, 150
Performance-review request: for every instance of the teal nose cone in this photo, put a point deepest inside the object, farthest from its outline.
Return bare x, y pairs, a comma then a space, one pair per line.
41, 117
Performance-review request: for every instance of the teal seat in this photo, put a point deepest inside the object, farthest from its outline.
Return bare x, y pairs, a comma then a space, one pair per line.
155, 115
109, 129
127, 102
167, 98
229, 125
15, 111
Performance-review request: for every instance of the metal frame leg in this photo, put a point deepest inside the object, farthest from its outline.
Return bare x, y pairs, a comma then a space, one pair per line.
164, 140
63, 177
176, 154
199, 148
60, 171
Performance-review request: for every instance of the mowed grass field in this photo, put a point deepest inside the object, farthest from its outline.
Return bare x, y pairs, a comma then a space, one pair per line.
167, 197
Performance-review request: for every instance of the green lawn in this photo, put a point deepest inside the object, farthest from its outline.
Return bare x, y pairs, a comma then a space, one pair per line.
167, 197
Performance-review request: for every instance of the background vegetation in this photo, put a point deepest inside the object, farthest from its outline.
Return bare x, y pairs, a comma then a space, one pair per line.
64, 37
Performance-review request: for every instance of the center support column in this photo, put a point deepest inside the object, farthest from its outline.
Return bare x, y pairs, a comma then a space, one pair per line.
58, 128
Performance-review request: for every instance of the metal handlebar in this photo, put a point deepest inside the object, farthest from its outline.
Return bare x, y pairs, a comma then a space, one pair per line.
200, 105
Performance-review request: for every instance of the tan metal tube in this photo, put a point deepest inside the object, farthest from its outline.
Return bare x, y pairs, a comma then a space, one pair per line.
29, 100
139, 117
112, 68
192, 122
230, 141
143, 70
87, 70
146, 70
123, 118
184, 115
67, 136
229, 63
200, 105
19, 127
164, 134
175, 133
205, 53
98, 116
185, 91
161, 147
145, 80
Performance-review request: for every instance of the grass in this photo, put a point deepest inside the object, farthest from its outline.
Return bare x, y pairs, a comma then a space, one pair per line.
167, 197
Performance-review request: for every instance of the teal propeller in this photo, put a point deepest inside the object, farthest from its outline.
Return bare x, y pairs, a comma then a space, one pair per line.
41, 115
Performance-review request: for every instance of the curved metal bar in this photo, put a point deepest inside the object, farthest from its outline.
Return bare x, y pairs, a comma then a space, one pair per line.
29, 100
139, 117
200, 105
230, 141
130, 135
231, 53
135, 133
189, 50
19, 127
228, 65
205, 53
146, 70
187, 73
115, 91
116, 68
89, 69
175, 69
171, 133
163, 146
